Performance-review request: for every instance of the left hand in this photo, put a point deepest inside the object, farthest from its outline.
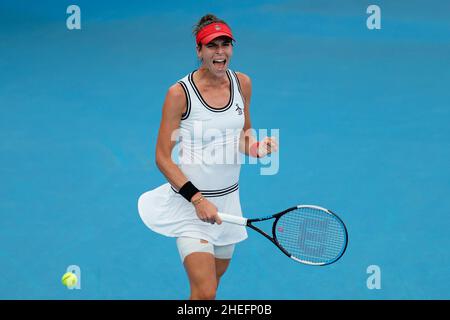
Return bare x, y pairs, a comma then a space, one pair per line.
267, 146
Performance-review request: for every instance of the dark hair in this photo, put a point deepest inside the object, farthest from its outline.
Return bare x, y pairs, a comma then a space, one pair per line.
204, 21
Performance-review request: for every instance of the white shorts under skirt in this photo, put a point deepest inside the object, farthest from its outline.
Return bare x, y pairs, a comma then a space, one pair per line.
186, 246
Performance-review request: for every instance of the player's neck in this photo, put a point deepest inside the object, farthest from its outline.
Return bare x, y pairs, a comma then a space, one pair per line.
207, 77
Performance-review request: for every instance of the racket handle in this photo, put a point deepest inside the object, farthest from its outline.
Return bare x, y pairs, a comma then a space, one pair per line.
232, 219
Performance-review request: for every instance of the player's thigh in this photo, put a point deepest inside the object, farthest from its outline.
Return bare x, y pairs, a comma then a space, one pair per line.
198, 259
223, 256
221, 266
201, 269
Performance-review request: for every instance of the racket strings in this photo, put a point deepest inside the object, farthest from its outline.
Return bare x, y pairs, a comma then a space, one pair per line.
311, 235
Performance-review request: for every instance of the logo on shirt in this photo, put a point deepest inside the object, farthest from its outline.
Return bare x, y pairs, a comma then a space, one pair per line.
238, 109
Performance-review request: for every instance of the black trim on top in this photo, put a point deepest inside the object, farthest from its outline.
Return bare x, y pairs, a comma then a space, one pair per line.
206, 105
185, 115
238, 85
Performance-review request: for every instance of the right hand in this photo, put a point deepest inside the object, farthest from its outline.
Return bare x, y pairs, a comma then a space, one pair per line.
206, 211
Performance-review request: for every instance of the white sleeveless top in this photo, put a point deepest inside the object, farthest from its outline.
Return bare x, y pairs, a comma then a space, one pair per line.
209, 157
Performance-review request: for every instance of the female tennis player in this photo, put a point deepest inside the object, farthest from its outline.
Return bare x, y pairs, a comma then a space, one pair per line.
208, 111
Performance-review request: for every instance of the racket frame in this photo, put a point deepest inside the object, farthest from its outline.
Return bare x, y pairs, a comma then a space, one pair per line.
249, 223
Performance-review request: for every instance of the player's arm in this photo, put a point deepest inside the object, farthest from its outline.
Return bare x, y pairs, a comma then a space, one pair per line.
174, 105
248, 143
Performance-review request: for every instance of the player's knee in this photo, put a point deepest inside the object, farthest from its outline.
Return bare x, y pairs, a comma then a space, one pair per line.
209, 295
205, 293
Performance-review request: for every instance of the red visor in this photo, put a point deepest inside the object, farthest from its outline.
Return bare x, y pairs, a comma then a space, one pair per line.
212, 31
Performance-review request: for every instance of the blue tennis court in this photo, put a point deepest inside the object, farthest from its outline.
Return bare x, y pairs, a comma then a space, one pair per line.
363, 119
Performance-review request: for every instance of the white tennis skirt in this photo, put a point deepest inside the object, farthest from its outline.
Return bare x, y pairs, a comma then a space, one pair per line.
166, 212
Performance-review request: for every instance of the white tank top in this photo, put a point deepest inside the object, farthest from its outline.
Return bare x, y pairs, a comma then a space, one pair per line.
209, 139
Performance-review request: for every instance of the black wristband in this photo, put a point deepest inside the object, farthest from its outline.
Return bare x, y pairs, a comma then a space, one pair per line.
188, 190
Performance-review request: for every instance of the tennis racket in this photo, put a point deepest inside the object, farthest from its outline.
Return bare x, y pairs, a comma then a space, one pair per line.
308, 234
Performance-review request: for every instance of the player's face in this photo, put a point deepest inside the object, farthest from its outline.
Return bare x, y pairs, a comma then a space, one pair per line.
216, 55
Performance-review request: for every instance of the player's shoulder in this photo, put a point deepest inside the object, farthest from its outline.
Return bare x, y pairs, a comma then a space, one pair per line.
243, 78
176, 91
176, 98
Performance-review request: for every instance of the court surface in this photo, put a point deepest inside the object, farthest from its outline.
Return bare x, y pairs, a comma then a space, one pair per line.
363, 118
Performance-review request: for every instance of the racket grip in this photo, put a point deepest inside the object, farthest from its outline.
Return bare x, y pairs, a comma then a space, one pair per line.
232, 219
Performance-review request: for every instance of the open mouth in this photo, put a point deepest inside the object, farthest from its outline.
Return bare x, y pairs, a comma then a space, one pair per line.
220, 62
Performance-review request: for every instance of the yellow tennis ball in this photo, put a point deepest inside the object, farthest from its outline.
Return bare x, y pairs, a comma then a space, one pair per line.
69, 279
